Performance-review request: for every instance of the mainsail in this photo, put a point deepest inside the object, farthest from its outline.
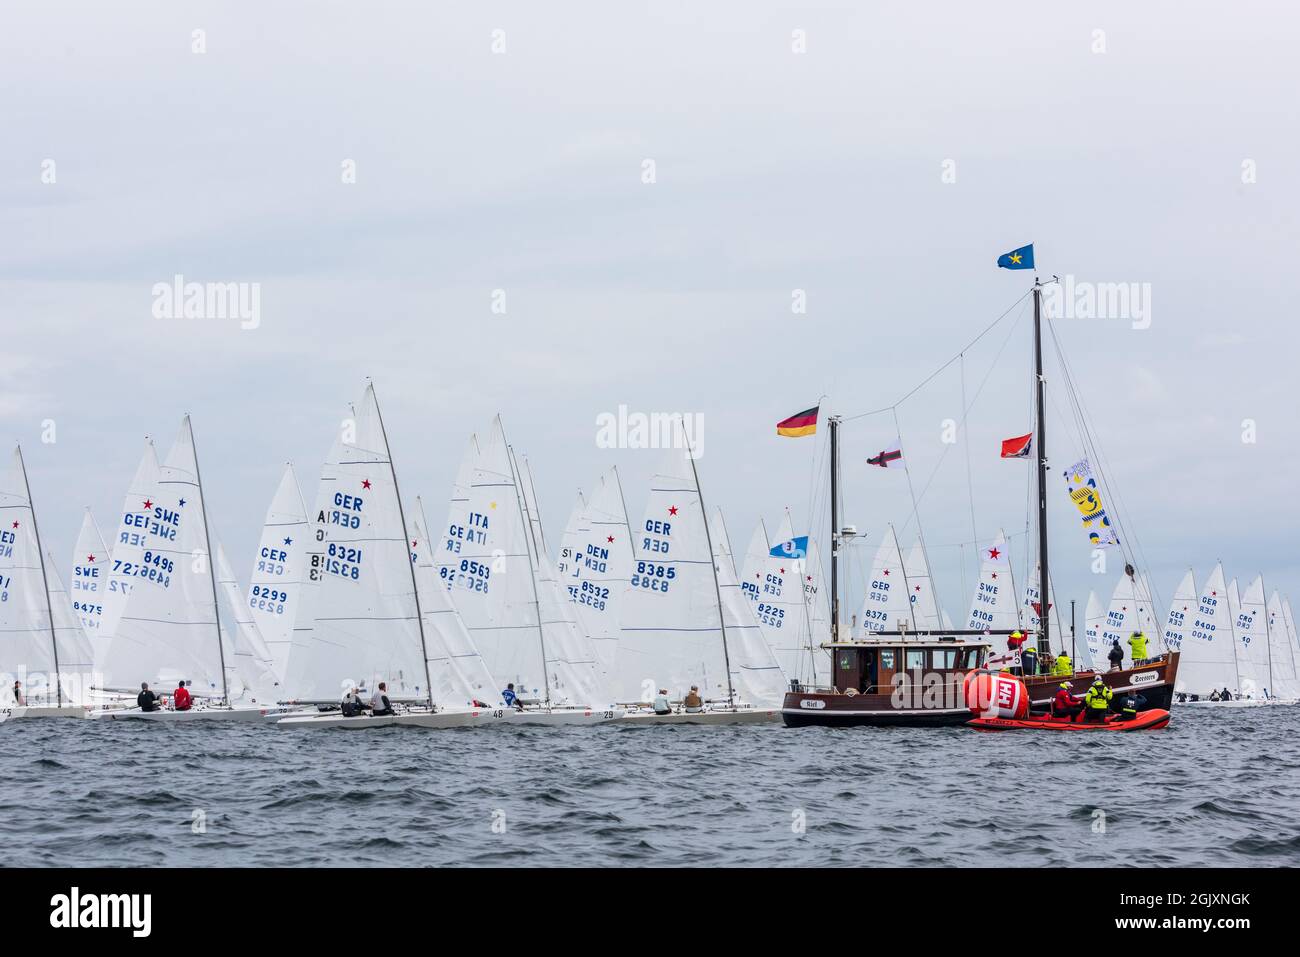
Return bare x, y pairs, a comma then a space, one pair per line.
457, 673
887, 605
29, 643
359, 623
250, 667
76, 657
1282, 651
755, 672
90, 568
595, 566
672, 625
509, 595
275, 587
458, 532
168, 629
920, 590
994, 606
1208, 661
774, 586
133, 521
1181, 612
1254, 660
1094, 620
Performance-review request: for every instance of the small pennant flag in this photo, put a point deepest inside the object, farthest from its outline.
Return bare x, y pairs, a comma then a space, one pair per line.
1017, 448
795, 548
890, 458
805, 423
1022, 258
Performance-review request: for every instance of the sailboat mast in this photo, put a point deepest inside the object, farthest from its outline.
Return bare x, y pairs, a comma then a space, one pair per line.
406, 537
835, 527
1268, 632
521, 502
717, 589
40, 554
1040, 441
212, 572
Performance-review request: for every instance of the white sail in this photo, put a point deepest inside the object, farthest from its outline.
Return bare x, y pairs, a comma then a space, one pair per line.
575, 529
524, 474
510, 595
168, 629
1254, 654
887, 604
27, 632
994, 606
90, 569
671, 620
76, 656
275, 587
246, 653
457, 674
458, 532
774, 587
594, 568
359, 622
1130, 611
1208, 661
133, 522
1030, 607
1094, 620
1181, 612
722, 541
756, 674
816, 591
920, 590
1294, 637
1282, 651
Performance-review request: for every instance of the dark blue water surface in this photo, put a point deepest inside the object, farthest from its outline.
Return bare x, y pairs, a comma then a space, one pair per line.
1214, 788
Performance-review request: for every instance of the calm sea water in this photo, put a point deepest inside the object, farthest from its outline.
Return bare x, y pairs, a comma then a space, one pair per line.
1214, 788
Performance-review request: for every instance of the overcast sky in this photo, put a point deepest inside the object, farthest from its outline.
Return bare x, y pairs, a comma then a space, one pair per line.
1125, 155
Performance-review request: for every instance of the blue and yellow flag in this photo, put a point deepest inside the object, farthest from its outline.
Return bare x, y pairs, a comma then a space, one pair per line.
1022, 258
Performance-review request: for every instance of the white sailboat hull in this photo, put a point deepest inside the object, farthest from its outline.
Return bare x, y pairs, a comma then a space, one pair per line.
333, 719
739, 716
1238, 703
566, 717
455, 719
180, 717
51, 711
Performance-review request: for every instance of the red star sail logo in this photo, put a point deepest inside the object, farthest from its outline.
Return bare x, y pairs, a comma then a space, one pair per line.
994, 553
610, 539
148, 504
365, 483
672, 509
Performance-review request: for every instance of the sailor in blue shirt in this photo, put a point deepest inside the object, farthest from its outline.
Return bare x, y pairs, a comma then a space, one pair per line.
511, 699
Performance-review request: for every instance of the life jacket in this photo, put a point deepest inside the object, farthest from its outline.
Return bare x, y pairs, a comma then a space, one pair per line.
182, 699
1099, 696
1063, 665
1138, 644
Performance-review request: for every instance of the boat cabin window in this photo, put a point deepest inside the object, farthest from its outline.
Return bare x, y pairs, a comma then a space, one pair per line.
915, 659
972, 658
943, 658
887, 658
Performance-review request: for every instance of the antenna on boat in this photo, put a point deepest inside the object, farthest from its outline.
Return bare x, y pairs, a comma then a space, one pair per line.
834, 421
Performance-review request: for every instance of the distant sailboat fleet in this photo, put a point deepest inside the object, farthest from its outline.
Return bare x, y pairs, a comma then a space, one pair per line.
480, 623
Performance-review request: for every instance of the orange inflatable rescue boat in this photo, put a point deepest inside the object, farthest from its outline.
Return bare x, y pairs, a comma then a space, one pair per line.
1000, 702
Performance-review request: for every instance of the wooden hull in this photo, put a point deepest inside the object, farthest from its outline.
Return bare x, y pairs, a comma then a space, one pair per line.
1155, 682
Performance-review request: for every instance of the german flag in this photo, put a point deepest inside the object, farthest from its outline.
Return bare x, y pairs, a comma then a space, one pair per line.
805, 423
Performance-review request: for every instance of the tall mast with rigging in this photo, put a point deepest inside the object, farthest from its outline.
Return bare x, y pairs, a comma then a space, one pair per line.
835, 527
1040, 445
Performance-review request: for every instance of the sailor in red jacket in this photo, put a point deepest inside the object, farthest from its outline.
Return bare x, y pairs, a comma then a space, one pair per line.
181, 699
1066, 705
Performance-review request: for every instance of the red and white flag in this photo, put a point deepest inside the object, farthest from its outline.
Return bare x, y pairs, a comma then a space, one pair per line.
1017, 448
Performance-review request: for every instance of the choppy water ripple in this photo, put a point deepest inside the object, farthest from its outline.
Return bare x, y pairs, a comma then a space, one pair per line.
1213, 789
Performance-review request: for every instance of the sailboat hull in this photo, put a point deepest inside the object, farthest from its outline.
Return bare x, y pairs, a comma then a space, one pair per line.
566, 717
180, 717
333, 719
1154, 681
455, 719
740, 716
51, 711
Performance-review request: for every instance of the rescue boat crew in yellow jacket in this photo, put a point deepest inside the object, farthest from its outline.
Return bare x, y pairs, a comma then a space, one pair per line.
1137, 644
1096, 702
1063, 667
